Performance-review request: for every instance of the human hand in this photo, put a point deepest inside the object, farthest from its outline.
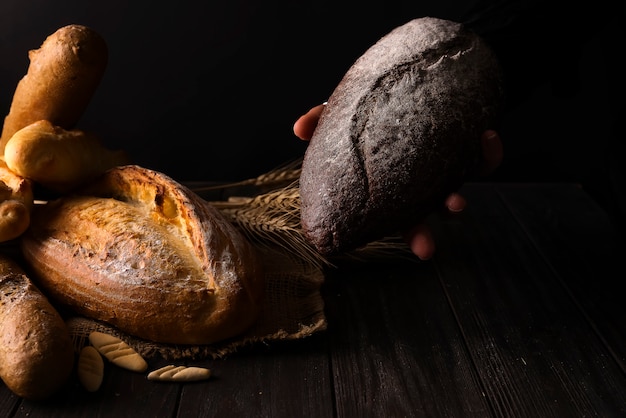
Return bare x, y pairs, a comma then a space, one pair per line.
419, 237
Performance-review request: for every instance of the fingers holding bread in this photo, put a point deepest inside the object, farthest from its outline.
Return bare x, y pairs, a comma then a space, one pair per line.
400, 132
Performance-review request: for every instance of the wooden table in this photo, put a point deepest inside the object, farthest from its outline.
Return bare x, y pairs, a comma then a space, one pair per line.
520, 314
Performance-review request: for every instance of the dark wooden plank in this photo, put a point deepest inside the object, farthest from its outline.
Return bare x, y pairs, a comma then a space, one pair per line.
9, 402
123, 394
533, 348
396, 349
517, 315
579, 230
288, 379
280, 380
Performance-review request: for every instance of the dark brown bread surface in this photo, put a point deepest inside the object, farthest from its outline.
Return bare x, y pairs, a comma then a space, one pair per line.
145, 254
401, 131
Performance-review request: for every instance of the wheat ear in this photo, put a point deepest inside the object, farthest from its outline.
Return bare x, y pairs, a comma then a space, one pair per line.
272, 218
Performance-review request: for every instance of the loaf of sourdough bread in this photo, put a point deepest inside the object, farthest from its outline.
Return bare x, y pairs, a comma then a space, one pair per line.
398, 134
141, 252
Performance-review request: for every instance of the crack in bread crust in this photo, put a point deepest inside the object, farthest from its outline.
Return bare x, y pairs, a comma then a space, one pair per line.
400, 131
147, 255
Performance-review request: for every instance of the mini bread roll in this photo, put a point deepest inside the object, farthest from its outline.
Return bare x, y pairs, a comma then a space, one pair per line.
172, 373
145, 254
61, 79
90, 368
117, 351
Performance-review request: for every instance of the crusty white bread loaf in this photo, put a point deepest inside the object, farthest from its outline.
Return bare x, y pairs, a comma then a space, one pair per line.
142, 252
36, 352
399, 133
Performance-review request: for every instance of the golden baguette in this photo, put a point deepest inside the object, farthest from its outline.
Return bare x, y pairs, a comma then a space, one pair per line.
36, 353
60, 81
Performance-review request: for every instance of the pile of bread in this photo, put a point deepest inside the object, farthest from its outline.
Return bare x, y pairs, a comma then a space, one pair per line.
133, 248
116, 242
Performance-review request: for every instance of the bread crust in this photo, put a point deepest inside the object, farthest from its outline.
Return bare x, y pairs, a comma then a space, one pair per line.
59, 159
140, 251
36, 352
16, 203
400, 132
61, 79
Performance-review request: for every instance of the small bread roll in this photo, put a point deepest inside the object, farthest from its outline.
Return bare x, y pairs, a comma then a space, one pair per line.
145, 254
14, 219
61, 79
90, 368
16, 203
117, 351
173, 373
59, 159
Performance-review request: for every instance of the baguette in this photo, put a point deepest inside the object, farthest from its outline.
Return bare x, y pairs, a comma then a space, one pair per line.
36, 353
399, 133
60, 81
145, 254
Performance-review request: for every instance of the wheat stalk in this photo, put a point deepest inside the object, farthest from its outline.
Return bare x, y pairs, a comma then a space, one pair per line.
276, 178
272, 218
387, 247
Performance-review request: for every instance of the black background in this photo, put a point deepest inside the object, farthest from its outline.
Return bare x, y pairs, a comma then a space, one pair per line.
210, 91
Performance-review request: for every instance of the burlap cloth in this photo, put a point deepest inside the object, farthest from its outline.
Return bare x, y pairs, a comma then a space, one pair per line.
293, 308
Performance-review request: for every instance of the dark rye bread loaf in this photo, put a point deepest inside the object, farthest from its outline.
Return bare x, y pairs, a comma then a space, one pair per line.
399, 133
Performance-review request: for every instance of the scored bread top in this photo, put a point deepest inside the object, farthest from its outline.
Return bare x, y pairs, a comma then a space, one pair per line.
399, 133
142, 252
